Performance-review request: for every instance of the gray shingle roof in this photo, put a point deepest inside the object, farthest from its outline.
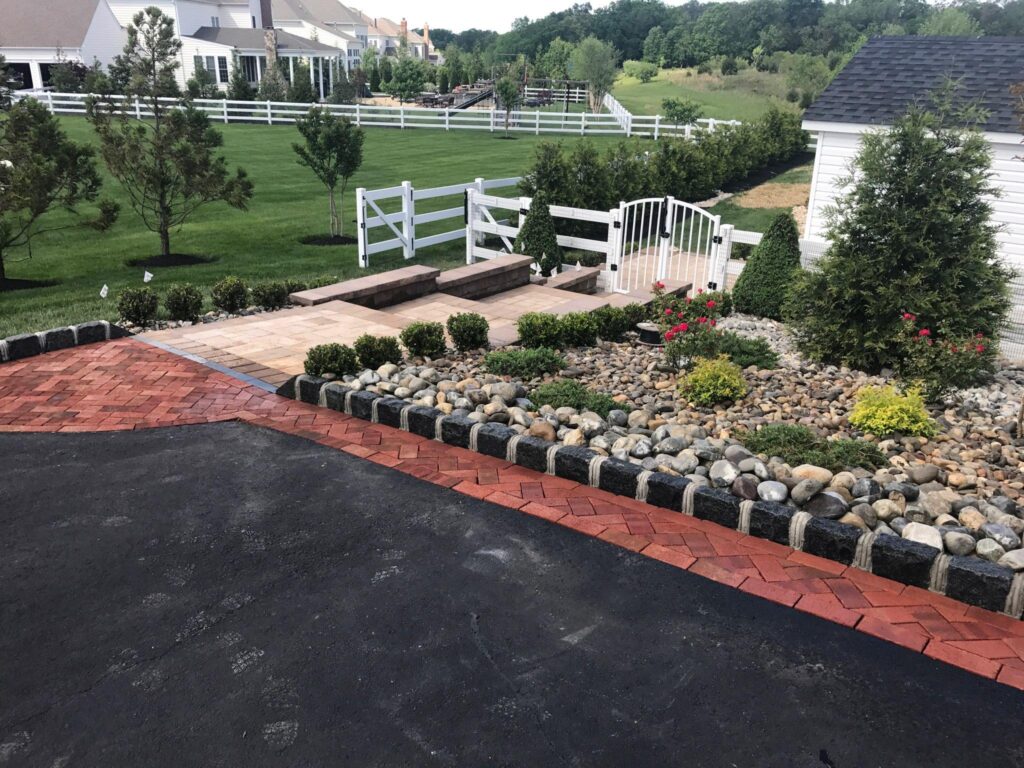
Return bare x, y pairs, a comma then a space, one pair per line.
890, 73
252, 39
45, 23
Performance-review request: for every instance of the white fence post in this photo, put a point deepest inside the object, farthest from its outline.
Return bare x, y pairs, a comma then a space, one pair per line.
358, 117
583, 123
536, 122
138, 109
470, 218
492, 119
225, 111
49, 101
725, 253
447, 117
479, 238
401, 115
408, 220
270, 114
361, 234
657, 126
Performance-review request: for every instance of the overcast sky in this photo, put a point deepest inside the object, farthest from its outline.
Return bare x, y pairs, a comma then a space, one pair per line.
457, 16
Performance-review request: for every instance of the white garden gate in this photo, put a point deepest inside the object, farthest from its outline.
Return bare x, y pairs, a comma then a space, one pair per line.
666, 239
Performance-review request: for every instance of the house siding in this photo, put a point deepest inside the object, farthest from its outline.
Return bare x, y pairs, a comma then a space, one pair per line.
105, 38
837, 150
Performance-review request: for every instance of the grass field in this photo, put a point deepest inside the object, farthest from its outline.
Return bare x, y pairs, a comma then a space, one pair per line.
744, 96
289, 204
754, 208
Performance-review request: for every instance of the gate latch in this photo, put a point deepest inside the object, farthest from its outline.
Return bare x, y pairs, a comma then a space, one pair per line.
717, 240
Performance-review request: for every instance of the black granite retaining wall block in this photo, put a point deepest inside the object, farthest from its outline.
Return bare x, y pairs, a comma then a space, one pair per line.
362, 404
770, 520
59, 338
389, 411
492, 440
902, 560
666, 491
979, 582
717, 506
423, 421
31, 344
22, 346
91, 333
620, 477
573, 463
288, 389
532, 453
455, 431
334, 395
309, 389
831, 540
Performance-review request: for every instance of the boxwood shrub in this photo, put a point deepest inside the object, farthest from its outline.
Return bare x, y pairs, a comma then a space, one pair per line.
183, 302
138, 305
230, 294
540, 329
375, 351
424, 339
468, 330
338, 359
579, 329
272, 294
524, 363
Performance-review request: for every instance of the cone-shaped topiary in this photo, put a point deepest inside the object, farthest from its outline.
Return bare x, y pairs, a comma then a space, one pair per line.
537, 236
768, 274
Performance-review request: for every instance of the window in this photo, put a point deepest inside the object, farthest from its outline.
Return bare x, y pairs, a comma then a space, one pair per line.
222, 69
254, 22
215, 21
249, 67
209, 65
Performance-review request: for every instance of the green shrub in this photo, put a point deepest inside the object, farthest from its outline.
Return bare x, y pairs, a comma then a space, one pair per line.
468, 330
644, 71
322, 280
913, 234
729, 66
375, 351
270, 295
769, 272
537, 237
938, 363
539, 329
688, 343
568, 393
796, 444
612, 323
230, 294
884, 411
747, 352
138, 305
579, 329
295, 286
524, 363
723, 299
424, 339
713, 381
636, 313
339, 359
184, 302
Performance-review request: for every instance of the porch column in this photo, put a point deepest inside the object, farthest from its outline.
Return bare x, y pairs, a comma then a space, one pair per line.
259, 70
312, 74
320, 64
36, 74
291, 70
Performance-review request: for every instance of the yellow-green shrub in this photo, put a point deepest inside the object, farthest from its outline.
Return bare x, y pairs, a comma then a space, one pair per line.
713, 381
884, 411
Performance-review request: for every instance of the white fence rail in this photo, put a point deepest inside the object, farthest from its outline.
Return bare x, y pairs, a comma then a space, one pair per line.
571, 95
401, 224
616, 122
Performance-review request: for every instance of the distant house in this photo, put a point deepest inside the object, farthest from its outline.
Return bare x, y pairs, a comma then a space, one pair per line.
890, 73
326, 21
387, 36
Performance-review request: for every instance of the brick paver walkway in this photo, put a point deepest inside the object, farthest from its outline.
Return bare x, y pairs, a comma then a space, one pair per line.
126, 384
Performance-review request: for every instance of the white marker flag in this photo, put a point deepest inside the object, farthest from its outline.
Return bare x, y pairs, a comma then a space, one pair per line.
147, 276
104, 291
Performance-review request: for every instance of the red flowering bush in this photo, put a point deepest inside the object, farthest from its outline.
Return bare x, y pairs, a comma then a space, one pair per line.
939, 362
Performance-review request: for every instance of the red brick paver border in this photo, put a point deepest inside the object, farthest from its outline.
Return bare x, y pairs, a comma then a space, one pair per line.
125, 384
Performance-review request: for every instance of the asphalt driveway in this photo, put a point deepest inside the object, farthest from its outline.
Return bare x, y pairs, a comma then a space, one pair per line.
230, 596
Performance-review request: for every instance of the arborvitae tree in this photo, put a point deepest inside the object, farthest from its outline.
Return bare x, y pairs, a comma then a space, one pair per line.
375, 80
549, 173
913, 234
9, 82
768, 275
239, 88
202, 84
167, 163
443, 84
333, 150
386, 71
301, 89
537, 237
273, 86
344, 90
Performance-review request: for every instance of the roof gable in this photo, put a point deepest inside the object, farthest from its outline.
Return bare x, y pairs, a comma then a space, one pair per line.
888, 74
45, 23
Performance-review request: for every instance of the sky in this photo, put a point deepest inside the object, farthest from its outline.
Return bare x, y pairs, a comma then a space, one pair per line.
457, 16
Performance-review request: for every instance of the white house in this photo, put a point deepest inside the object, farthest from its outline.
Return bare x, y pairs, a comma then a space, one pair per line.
890, 73
326, 21
387, 36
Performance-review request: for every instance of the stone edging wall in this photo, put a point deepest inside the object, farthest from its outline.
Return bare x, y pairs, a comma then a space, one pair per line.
31, 344
967, 579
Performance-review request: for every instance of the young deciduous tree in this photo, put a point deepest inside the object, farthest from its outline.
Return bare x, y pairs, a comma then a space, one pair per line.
682, 111
167, 163
333, 150
595, 61
406, 80
508, 97
537, 237
41, 169
913, 234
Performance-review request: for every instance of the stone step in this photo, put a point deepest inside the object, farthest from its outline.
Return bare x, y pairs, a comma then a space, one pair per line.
486, 278
380, 290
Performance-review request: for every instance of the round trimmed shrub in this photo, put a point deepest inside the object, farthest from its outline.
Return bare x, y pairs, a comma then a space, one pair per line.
183, 302
768, 275
138, 305
713, 381
294, 286
339, 359
270, 295
539, 329
579, 329
230, 294
612, 323
375, 351
884, 411
424, 339
468, 330
636, 313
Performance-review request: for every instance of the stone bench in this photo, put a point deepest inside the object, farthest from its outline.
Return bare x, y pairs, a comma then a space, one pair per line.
486, 278
582, 280
375, 291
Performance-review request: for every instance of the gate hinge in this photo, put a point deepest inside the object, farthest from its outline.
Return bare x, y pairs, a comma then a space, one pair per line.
717, 240
614, 267
617, 224
523, 211
712, 286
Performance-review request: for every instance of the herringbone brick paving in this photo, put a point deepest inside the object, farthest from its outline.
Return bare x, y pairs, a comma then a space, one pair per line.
125, 384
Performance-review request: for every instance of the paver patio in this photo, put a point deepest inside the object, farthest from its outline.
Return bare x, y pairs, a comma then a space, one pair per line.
127, 384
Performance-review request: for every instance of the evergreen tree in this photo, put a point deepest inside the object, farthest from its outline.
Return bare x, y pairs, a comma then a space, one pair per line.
913, 234
9, 82
239, 88
202, 84
301, 89
537, 237
167, 163
344, 90
273, 86
768, 275
386, 71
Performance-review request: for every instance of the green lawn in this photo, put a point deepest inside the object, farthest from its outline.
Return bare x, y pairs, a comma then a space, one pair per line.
758, 219
289, 203
744, 96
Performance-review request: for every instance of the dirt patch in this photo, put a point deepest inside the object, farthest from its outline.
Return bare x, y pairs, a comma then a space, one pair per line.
173, 260
772, 195
328, 240
800, 214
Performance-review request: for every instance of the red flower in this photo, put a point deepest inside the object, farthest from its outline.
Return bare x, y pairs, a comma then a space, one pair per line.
668, 311
924, 332
908, 316
700, 291
953, 349
980, 348
711, 304
979, 336
681, 314
659, 285
689, 300
682, 327
702, 319
714, 323
669, 335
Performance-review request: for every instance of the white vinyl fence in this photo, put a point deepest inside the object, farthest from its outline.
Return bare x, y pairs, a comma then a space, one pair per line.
399, 227
616, 122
